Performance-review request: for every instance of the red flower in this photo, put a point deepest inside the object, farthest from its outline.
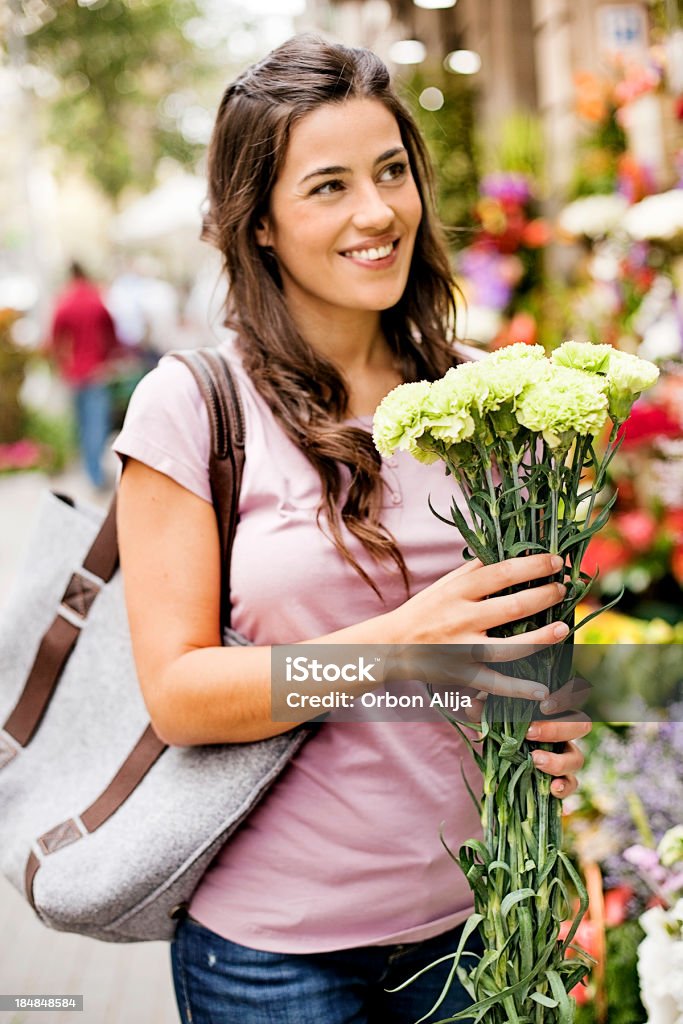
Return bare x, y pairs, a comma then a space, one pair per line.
673, 523
647, 422
638, 528
536, 233
677, 564
616, 902
605, 554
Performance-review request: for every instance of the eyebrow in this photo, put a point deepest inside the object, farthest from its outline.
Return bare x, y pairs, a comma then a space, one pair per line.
345, 170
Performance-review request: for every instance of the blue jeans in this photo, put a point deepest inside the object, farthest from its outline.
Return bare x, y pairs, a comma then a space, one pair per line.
93, 416
220, 982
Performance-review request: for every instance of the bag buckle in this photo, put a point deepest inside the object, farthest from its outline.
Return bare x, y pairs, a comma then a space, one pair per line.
78, 597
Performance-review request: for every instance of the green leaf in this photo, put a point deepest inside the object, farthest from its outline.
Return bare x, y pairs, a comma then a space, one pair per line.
525, 766
478, 847
538, 997
526, 938
565, 1005
582, 894
592, 615
489, 957
559, 913
514, 897
471, 923
548, 866
524, 545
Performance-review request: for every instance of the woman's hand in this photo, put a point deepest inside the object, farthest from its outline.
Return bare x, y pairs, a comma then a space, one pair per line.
457, 611
573, 725
567, 761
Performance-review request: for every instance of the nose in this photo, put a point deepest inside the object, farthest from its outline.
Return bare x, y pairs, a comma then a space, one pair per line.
372, 212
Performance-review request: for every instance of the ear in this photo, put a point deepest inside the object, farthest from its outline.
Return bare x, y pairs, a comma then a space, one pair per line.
263, 233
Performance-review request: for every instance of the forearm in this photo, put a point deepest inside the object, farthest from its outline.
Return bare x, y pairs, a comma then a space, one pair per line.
223, 694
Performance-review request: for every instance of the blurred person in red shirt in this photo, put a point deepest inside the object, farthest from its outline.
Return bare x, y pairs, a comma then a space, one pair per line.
83, 344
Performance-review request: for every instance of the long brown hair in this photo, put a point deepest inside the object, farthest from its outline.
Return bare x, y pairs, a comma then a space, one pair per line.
304, 389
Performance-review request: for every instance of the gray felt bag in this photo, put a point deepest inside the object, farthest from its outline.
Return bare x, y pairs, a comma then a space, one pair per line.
103, 828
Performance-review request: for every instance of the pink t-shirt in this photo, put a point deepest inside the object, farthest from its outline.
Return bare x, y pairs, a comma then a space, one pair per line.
344, 850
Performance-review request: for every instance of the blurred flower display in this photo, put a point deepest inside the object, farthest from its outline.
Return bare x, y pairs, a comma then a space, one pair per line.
502, 265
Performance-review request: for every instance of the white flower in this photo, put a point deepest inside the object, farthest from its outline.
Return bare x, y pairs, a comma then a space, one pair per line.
658, 216
660, 967
593, 216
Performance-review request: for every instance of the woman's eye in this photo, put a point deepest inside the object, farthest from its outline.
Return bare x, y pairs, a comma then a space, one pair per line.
394, 171
328, 188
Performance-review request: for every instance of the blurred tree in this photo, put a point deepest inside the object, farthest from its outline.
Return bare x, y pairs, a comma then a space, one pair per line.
115, 62
450, 134
667, 14
520, 146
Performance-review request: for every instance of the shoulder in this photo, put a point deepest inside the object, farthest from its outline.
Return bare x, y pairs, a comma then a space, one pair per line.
167, 426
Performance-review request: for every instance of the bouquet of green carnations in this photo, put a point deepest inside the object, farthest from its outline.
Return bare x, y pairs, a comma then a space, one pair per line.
516, 432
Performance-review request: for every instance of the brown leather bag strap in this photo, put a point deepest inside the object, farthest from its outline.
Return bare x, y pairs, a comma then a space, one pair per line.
144, 754
62, 635
226, 464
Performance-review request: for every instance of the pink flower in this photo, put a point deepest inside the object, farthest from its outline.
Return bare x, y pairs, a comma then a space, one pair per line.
638, 528
19, 455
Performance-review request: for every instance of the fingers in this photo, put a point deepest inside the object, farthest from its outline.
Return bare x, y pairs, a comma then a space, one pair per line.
573, 728
564, 787
489, 579
491, 682
568, 761
524, 645
467, 567
474, 714
525, 603
569, 697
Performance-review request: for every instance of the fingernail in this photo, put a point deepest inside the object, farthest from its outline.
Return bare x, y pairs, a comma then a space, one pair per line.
532, 732
548, 705
539, 694
559, 788
540, 758
557, 561
560, 630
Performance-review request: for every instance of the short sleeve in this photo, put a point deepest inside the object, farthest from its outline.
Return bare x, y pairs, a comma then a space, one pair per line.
167, 427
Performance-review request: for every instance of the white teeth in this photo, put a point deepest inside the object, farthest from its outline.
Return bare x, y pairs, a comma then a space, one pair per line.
371, 254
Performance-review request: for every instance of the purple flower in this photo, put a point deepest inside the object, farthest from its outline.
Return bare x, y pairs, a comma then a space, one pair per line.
508, 186
642, 857
485, 270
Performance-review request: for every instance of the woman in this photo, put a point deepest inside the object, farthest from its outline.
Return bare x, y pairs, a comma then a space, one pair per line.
337, 886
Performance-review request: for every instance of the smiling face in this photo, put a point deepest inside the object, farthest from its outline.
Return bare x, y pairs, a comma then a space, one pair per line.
344, 212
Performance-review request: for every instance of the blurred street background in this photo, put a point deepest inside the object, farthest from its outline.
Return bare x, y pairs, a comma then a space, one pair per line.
556, 127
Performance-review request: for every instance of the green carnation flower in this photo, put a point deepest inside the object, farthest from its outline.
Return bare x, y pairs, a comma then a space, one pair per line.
505, 380
517, 351
398, 420
562, 404
453, 404
627, 377
583, 356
